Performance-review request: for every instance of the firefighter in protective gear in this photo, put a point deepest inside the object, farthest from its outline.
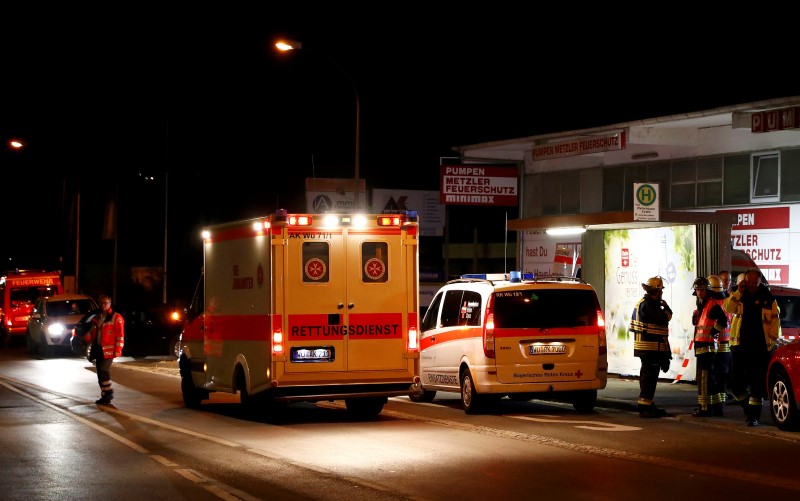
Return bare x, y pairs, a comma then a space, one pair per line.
722, 359
735, 317
106, 338
709, 320
755, 332
649, 326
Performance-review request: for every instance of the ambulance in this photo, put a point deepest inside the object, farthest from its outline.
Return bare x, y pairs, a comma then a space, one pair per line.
19, 291
306, 307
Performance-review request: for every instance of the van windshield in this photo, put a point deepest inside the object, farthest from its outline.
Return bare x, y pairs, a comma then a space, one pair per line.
544, 308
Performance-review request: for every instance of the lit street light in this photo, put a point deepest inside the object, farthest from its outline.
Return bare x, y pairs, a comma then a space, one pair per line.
287, 45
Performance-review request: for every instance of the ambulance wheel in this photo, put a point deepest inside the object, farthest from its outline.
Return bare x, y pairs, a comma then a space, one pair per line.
427, 396
191, 395
365, 407
470, 400
584, 401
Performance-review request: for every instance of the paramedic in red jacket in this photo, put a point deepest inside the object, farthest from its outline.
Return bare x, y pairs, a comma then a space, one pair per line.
107, 337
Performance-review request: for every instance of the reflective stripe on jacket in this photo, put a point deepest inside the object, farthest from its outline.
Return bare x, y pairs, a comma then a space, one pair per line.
770, 319
112, 334
648, 337
725, 335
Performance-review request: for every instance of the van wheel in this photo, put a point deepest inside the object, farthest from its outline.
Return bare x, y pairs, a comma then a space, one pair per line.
427, 396
175, 347
33, 348
584, 401
470, 400
365, 407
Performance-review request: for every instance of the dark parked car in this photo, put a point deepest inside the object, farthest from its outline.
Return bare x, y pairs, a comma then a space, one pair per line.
148, 331
783, 385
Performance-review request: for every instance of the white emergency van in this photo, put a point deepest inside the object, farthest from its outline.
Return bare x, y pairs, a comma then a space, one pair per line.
306, 307
496, 335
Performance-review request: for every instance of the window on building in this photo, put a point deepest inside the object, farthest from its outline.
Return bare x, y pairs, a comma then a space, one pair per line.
684, 179
659, 173
709, 182
765, 175
570, 193
613, 189
561, 194
790, 184
633, 174
737, 180
551, 195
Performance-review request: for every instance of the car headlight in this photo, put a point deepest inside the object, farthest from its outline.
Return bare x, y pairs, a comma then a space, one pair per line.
56, 330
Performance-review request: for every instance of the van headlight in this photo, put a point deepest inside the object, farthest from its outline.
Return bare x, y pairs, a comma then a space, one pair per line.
56, 329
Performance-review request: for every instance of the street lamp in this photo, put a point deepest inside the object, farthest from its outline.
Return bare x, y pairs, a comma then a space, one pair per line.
287, 45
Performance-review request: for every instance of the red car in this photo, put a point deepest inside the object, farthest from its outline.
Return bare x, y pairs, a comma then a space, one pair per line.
783, 386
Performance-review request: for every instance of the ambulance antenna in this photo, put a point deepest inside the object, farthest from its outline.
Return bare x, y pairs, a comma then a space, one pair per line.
505, 246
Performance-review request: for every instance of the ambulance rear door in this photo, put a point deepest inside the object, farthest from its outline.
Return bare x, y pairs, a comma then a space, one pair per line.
377, 299
345, 298
315, 303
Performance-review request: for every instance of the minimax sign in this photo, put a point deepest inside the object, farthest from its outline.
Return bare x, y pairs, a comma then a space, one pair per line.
479, 185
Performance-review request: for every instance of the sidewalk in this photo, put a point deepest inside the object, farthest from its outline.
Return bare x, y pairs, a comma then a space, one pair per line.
679, 399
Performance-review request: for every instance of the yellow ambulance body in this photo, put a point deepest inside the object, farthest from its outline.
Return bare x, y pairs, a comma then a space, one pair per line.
307, 307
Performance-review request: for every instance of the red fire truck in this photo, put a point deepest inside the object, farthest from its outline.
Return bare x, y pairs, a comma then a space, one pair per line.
19, 291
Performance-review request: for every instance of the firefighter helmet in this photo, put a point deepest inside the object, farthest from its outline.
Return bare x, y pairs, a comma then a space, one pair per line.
700, 283
714, 283
653, 283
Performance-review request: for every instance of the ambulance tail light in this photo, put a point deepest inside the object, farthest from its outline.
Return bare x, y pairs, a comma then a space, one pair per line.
601, 333
299, 220
397, 218
488, 329
277, 342
413, 339
390, 220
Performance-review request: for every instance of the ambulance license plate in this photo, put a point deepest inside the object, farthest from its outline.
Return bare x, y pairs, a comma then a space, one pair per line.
306, 354
547, 349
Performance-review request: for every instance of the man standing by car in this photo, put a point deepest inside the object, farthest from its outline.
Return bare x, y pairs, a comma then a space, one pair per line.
106, 338
758, 328
649, 325
710, 321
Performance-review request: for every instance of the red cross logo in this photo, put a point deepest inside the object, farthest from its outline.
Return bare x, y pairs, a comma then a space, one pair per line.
579, 373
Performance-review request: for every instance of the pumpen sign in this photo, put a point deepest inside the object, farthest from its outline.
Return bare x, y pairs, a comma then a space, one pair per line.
479, 185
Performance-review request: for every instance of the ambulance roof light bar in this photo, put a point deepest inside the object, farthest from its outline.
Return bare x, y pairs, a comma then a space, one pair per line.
514, 276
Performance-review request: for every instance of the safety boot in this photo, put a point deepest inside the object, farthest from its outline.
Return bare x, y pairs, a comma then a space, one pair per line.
753, 414
105, 398
651, 411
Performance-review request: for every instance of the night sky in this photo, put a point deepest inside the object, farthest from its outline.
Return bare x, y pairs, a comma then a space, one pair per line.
108, 98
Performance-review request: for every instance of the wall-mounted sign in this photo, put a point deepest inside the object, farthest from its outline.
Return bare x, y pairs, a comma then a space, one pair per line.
645, 202
783, 118
479, 185
580, 146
